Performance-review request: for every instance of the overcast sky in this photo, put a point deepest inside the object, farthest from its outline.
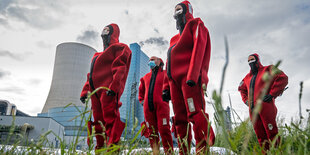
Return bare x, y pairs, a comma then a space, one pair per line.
30, 30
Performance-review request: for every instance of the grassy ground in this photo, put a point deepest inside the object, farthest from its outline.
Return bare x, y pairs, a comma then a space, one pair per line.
240, 140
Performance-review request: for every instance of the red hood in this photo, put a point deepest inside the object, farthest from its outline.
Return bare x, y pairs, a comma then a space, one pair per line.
115, 33
162, 64
161, 61
258, 59
187, 9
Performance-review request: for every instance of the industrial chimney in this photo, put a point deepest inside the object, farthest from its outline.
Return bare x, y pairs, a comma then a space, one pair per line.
72, 63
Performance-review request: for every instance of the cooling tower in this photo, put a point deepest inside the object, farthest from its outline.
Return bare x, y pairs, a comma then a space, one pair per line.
72, 63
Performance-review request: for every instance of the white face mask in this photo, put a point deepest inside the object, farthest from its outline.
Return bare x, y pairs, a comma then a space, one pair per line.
105, 32
252, 61
176, 13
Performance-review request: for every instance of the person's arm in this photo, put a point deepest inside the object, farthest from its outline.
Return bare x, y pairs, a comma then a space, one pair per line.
244, 92
165, 82
166, 89
85, 90
279, 83
201, 37
119, 67
141, 91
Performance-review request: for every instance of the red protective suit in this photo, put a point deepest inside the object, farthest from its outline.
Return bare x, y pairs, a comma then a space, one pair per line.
188, 59
156, 111
250, 88
109, 69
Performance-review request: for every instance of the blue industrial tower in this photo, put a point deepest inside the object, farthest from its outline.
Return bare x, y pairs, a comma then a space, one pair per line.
131, 110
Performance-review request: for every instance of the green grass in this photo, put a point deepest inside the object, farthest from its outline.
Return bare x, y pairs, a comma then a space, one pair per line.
241, 139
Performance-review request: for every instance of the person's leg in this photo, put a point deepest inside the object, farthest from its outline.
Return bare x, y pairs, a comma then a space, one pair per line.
268, 116
151, 126
163, 117
195, 105
182, 124
259, 130
111, 116
98, 122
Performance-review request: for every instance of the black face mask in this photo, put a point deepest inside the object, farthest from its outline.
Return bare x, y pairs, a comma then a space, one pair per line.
180, 19
155, 68
106, 40
180, 22
254, 67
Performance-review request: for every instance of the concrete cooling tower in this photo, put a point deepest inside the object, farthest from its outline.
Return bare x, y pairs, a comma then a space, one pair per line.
72, 63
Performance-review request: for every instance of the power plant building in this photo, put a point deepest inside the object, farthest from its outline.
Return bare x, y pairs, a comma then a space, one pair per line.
72, 63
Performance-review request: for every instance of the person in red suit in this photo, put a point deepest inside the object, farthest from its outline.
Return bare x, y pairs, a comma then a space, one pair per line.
187, 71
156, 111
108, 69
251, 87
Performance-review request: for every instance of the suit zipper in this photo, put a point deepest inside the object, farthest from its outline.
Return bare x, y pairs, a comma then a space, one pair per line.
169, 62
151, 90
252, 86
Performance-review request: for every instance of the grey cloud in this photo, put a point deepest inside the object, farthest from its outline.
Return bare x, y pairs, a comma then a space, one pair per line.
3, 21
156, 30
159, 41
18, 57
13, 89
265, 20
33, 17
306, 94
36, 13
5, 53
4, 4
88, 36
34, 81
43, 44
154, 45
4, 73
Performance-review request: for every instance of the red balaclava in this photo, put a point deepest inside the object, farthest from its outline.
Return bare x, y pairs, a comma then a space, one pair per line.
110, 37
184, 15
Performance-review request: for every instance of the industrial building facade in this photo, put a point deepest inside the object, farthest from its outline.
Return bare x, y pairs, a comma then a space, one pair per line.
32, 128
